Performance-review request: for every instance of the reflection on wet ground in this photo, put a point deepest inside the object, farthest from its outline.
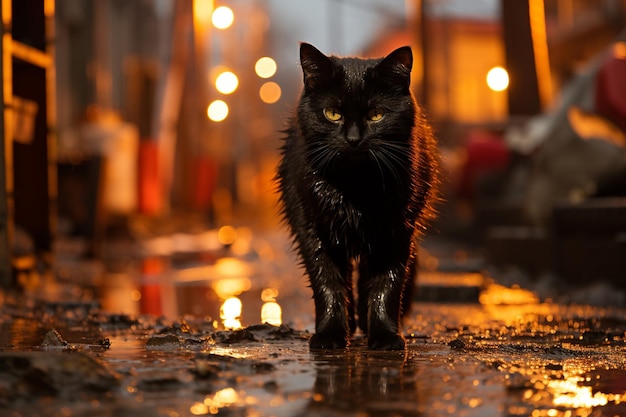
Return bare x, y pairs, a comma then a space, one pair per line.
180, 336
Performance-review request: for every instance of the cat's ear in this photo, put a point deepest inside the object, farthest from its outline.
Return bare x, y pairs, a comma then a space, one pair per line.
316, 66
398, 65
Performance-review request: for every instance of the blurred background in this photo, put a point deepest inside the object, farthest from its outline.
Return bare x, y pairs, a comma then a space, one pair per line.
145, 129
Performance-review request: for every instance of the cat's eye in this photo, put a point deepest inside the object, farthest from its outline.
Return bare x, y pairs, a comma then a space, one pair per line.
332, 114
375, 115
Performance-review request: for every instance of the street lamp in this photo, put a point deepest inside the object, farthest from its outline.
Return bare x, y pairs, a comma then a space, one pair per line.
223, 17
498, 79
217, 110
270, 92
227, 82
265, 67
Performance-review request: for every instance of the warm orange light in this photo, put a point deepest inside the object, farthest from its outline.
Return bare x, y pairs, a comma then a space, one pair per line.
202, 10
265, 67
619, 50
227, 82
228, 287
271, 313
270, 92
222, 398
223, 17
536, 14
498, 79
570, 393
227, 235
269, 294
199, 409
230, 312
217, 111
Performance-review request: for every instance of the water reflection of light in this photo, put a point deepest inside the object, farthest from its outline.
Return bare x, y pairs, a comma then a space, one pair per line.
230, 313
233, 275
569, 393
222, 398
271, 313
213, 403
228, 287
496, 294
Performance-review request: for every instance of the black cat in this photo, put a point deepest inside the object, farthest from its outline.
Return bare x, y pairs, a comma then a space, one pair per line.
357, 180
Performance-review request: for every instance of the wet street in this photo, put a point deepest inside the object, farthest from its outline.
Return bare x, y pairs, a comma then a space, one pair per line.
196, 327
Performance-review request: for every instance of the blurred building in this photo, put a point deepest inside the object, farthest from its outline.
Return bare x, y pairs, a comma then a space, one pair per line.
156, 108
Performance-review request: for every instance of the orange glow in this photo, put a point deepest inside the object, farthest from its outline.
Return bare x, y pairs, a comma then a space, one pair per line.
265, 67
199, 409
496, 294
536, 12
242, 244
217, 111
202, 10
232, 267
569, 393
269, 294
227, 235
230, 313
228, 287
271, 313
619, 50
222, 398
270, 92
223, 17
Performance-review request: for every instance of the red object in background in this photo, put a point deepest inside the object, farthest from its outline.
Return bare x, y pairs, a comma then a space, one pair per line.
149, 287
204, 175
150, 199
610, 94
486, 153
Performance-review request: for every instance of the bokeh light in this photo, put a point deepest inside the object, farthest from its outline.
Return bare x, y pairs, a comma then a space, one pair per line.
230, 312
217, 111
223, 17
270, 92
227, 82
271, 313
265, 67
498, 79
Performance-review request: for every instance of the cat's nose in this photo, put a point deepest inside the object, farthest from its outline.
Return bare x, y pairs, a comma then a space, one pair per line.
353, 136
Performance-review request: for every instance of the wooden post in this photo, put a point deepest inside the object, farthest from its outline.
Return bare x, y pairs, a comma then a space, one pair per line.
523, 91
28, 162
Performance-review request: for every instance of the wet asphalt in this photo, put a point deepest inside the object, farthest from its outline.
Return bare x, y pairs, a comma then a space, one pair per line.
71, 346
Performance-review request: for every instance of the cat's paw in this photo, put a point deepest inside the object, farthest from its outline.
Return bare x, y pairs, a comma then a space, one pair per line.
386, 342
328, 341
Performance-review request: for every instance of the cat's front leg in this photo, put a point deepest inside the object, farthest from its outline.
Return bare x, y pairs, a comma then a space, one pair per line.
384, 306
330, 283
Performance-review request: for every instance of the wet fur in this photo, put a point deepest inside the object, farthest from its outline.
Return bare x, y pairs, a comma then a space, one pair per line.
356, 194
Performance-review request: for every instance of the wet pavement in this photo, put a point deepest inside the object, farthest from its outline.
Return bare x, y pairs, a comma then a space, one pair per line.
183, 336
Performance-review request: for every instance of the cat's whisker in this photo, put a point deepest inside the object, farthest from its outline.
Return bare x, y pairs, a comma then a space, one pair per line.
321, 157
380, 168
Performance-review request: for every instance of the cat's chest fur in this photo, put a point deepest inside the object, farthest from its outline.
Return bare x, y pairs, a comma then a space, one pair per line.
352, 214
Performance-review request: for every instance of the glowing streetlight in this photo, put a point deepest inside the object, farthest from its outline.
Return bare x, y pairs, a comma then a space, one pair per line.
270, 92
265, 67
223, 17
217, 111
498, 79
227, 82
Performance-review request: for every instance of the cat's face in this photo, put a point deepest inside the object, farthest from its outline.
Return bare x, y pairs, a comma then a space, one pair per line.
355, 108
